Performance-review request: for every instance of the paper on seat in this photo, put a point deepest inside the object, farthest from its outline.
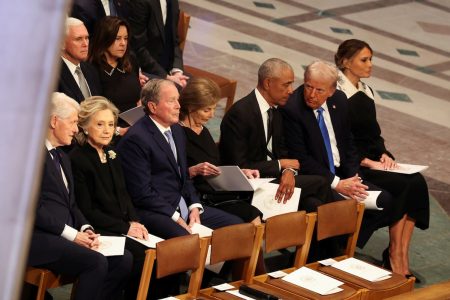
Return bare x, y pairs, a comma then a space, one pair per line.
264, 200
150, 242
314, 281
362, 269
111, 245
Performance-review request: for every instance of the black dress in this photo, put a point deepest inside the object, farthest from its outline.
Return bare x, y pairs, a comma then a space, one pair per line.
409, 191
120, 87
202, 148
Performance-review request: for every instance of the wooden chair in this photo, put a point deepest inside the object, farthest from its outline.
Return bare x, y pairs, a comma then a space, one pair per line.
227, 86
437, 291
176, 255
45, 279
344, 218
280, 234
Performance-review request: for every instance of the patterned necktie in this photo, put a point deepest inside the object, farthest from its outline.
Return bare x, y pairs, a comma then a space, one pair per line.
326, 138
83, 85
182, 205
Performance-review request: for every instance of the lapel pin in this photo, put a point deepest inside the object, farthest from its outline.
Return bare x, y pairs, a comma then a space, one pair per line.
334, 106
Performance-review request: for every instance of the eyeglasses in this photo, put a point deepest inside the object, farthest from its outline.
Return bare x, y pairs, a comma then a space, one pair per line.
311, 89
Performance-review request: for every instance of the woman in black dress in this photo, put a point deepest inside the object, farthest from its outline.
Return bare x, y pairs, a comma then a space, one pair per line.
118, 71
411, 206
198, 102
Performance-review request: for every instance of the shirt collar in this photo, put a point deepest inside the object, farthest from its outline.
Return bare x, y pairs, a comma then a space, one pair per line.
48, 145
110, 69
159, 126
349, 89
72, 67
262, 102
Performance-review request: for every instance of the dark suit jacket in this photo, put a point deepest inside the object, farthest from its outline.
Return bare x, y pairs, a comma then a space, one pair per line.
154, 180
69, 86
91, 11
304, 139
243, 141
148, 37
101, 192
56, 207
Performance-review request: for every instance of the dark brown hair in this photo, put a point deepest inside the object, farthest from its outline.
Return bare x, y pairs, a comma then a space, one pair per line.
104, 36
347, 50
199, 93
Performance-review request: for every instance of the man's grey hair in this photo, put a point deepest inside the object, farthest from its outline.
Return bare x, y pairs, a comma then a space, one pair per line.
63, 106
272, 68
322, 69
72, 22
151, 92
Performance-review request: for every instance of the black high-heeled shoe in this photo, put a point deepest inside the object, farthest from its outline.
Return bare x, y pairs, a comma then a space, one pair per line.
386, 261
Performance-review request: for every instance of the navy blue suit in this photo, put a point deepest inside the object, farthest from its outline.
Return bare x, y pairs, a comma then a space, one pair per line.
304, 141
156, 182
99, 277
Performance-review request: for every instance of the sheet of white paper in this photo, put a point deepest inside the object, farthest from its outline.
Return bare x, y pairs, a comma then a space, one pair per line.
169, 298
111, 245
407, 169
223, 287
132, 115
313, 281
361, 269
277, 274
258, 182
327, 262
202, 230
370, 202
237, 294
151, 242
264, 200
231, 178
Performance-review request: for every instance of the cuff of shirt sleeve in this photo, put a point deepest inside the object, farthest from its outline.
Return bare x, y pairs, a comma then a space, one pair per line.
335, 182
198, 205
175, 70
86, 227
69, 233
175, 216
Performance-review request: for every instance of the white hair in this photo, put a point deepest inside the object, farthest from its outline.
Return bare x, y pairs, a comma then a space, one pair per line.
72, 22
323, 69
63, 106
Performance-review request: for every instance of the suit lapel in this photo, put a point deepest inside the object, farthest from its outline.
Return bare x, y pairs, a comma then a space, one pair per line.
57, 174
334, 115
68, 79
315, 130
257, 116
163, 144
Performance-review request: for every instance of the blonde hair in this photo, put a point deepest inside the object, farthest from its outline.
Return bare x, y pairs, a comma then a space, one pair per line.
322, 69
199, 93
88, 108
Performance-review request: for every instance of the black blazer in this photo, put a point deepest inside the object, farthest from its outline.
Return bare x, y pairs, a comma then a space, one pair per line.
148, 38
243, 141
69, 86
56, 207
103, 199
154, 180
91, 11
304, 139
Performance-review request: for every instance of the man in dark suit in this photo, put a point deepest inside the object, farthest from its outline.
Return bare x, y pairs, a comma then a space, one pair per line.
154, 29
252, 137
78, 79
153, 157
92, 11
62, 240
330, 152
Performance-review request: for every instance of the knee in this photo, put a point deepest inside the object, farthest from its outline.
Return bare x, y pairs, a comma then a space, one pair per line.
99, 263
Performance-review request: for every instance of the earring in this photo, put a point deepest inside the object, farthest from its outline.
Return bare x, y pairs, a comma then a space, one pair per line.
86, 132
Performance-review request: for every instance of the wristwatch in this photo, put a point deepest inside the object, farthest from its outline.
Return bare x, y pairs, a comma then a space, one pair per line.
292, 170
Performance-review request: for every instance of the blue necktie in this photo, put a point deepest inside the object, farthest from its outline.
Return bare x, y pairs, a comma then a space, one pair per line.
326, 138
182, 205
